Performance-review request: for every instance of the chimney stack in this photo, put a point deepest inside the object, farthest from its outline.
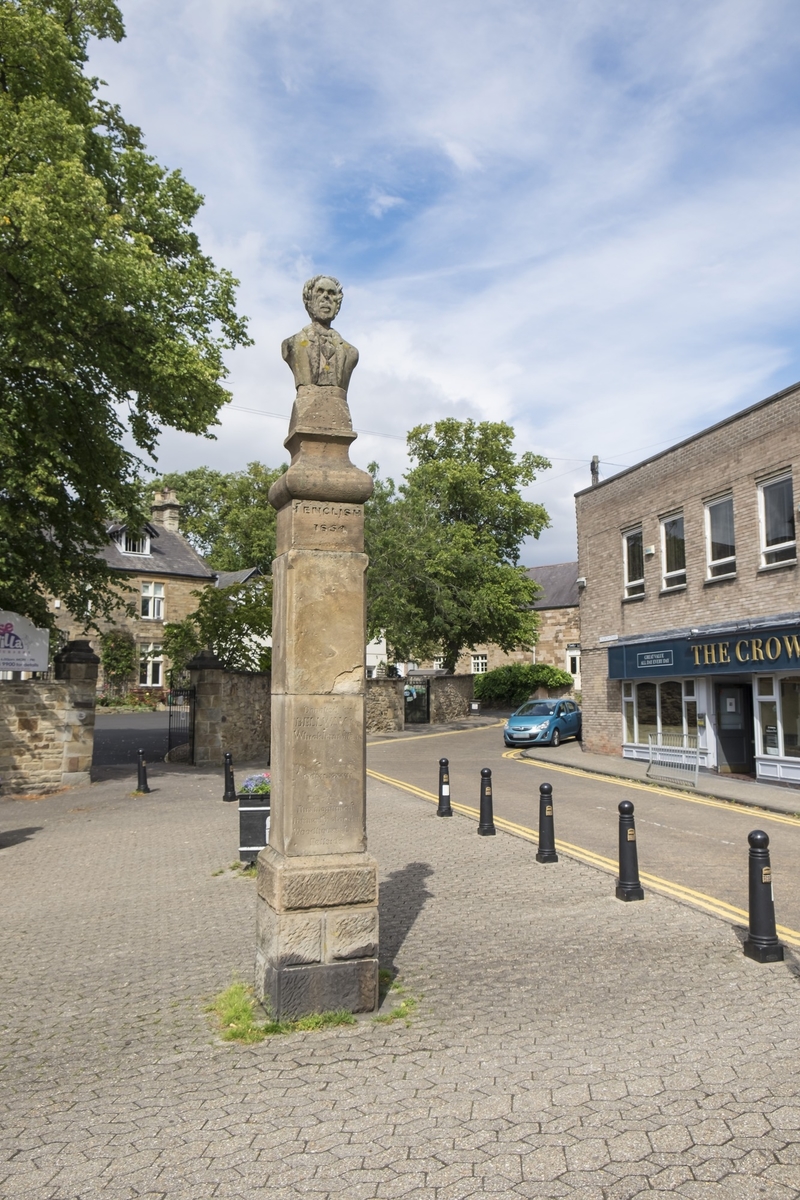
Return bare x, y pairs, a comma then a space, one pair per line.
595, 471
165, 509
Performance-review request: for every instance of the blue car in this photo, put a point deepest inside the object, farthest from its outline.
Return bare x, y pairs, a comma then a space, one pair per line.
543, 722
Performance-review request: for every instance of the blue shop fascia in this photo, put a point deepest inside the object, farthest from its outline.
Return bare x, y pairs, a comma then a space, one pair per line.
735, 687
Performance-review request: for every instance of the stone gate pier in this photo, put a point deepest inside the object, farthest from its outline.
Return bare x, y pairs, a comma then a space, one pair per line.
317, 927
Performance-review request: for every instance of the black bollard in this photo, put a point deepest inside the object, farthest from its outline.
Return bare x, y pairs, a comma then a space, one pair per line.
628, 885
486, 823
547, 834
229, 794
141, 785
762, 941
444, 809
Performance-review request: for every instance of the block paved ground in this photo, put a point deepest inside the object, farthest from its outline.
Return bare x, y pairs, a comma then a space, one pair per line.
566, 1044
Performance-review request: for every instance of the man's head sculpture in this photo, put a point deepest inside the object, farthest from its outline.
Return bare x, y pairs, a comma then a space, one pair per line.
322, 297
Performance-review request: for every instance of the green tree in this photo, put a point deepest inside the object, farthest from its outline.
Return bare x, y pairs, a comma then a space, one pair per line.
112, 320
118, 658
227, 517
234, 622
444, 548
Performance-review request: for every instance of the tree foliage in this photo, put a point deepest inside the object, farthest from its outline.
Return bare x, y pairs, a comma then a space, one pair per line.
444, 547
512, 684
235, 622
227, 517
111, 317
118, 657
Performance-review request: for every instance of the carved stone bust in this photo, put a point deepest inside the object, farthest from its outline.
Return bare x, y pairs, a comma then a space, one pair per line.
318, 355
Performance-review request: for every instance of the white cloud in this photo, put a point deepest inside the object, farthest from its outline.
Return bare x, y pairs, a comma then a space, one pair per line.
578, 218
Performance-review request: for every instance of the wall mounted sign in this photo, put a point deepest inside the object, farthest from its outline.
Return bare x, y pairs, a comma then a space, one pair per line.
745, 652
23, 647
654, 658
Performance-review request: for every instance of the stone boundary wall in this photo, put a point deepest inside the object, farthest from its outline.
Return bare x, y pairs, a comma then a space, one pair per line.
385, 705
232, 712
47, 726
450, 697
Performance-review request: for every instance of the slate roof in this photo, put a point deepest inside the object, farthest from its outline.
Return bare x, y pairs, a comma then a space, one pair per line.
228, 578
559, 582
170, 554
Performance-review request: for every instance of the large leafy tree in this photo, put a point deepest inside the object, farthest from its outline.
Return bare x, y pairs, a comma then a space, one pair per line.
227, 517
444, 547
235, 622
111, 317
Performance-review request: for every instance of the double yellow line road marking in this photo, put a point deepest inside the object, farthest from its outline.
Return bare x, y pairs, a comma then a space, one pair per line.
676, 891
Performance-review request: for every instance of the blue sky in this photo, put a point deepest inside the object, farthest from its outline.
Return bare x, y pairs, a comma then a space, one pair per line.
578, 217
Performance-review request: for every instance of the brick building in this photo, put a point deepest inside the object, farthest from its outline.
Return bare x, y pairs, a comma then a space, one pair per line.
559, 641
164, 572
690, 613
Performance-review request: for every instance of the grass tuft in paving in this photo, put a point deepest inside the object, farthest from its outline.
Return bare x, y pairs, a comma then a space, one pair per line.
406, 1004
235, 1012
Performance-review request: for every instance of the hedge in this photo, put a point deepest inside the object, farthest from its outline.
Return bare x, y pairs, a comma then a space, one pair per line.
512, 684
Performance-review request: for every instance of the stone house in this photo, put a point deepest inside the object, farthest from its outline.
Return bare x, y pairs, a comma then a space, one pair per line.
690, 613
165, 573
559, 642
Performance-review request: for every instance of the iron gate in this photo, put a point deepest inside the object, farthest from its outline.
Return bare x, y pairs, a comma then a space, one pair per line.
180, 742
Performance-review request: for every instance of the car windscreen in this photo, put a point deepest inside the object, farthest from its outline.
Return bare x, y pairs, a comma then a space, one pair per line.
541, 708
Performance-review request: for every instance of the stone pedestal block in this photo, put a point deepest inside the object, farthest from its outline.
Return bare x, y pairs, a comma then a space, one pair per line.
317, 932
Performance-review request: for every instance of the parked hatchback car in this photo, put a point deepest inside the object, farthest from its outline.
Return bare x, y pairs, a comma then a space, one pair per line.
543, 721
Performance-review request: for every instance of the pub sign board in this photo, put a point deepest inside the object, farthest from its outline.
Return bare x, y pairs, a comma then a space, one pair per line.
23, 647
744, 652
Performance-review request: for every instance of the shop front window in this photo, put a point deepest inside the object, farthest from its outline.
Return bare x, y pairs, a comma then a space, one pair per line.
790, 714
629, 731
690, 707
672, 708
646, 710
661, 709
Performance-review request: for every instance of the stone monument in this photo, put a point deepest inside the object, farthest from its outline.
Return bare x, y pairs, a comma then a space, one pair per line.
317, 928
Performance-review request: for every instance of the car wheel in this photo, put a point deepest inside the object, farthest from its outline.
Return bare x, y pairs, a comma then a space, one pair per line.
555, 740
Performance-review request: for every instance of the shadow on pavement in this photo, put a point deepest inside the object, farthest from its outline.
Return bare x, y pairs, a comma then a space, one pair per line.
402, 898
14, 837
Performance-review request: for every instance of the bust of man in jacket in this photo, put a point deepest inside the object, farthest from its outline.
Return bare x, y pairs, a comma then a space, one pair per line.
318, 354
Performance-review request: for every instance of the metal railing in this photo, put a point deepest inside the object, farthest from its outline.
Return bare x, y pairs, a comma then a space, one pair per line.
180, 737
674, 758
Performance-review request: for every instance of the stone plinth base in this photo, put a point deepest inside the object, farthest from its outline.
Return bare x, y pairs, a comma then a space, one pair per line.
317, 933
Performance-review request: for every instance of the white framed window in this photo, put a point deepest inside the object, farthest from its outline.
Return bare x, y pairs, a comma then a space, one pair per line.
480, 664
153, 601
668, 707
778, 716
438, 663
574, 662
673, 552
150, 664
633, 559
720, 539
131, 543
776, 521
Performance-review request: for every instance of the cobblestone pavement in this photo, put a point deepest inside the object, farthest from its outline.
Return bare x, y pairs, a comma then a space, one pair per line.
566, 1044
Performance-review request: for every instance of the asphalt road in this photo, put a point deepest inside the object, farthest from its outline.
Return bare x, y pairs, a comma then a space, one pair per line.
118, 737
694, 845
